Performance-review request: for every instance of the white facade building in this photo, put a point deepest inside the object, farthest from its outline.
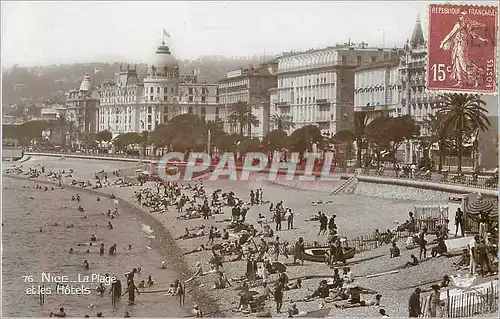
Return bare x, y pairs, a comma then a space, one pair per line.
316, 87
132, 104
378, 89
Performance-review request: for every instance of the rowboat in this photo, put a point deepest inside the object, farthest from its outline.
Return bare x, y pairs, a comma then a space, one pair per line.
318, 254
320, 313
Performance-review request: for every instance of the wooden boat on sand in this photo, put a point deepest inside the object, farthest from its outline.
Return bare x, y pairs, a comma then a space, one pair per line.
319, 254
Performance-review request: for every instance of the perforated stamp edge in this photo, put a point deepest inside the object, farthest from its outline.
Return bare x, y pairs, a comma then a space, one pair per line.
495, 54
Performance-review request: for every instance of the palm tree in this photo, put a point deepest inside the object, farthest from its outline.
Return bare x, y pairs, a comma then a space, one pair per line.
241, 114
282, 122
436, 134
460, 113
360, 123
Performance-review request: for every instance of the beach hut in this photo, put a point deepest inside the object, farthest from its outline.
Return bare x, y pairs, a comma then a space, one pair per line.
430, 216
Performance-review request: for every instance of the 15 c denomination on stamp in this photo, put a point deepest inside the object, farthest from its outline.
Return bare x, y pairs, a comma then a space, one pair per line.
462, 48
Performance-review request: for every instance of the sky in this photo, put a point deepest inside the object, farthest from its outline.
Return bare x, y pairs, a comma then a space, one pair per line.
45, 33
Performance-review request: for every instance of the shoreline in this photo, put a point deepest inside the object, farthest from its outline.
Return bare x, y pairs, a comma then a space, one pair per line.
176, 260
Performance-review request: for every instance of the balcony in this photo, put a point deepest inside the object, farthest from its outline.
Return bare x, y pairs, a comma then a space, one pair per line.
282, 105
322, 119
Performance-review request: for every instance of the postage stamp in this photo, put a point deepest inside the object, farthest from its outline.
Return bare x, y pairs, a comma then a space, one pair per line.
461, 54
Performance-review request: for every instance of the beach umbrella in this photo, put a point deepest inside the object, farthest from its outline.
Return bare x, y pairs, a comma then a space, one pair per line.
279, 266
480, 205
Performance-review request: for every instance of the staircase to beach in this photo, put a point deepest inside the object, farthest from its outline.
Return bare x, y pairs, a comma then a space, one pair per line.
345, 184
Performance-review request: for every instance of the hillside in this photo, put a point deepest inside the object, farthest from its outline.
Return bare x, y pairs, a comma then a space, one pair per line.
51, 82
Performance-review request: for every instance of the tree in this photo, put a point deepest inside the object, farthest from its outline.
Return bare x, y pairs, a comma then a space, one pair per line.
187, 132
302, 139
104, 136
216, 129
89, 140
343, 140
436, 133
385, 134
123, 141
360, 123
460, 113
227, 142
282, 122
249, 145
241, 114
144, 141
31, 130
275, 140
161, 136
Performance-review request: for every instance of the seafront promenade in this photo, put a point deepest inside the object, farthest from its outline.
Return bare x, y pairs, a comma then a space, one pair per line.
451, 183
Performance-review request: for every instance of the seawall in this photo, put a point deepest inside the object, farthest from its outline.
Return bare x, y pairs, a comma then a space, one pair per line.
405, 189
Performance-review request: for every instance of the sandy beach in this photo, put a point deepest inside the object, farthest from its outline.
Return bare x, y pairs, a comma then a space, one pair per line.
356, 215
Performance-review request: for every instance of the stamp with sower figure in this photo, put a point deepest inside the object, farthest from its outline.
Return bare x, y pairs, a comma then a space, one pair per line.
462, 48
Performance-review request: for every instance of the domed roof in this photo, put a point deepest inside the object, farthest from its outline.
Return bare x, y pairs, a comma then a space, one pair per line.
163, 58
86, 84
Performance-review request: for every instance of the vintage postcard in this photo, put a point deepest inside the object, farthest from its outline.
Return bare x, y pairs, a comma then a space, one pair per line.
462, 48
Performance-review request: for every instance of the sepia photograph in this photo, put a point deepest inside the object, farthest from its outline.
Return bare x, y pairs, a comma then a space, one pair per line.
322, 159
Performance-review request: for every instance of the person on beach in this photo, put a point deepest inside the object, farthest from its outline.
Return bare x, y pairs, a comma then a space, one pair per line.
278, 296
383, 313
440, 249
112, 249
331, 223
110, 226
394, 251
180, 292
276, 251
126, 315
277, 217
211, 236
323, 223
131, 290
102, 249
289, 218
412, 262
197, 311
299, 251
414, 307
60, 314
435, 305
422, 242
459, 222
86, 265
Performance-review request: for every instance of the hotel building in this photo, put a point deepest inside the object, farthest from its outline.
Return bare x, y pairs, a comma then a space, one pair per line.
316, 87
134, 104
250, 86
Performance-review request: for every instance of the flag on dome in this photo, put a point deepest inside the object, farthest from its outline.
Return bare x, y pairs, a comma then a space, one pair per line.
165, 33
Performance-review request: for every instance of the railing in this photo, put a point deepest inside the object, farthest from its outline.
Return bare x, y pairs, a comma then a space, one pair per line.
372, 241
104, 155
485, 181
476, 302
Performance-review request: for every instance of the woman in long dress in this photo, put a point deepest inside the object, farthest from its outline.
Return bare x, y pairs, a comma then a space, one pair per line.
458, 40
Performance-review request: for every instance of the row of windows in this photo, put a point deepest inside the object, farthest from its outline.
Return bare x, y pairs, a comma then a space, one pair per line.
158, 90
306, 80
313, 60
243, 82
